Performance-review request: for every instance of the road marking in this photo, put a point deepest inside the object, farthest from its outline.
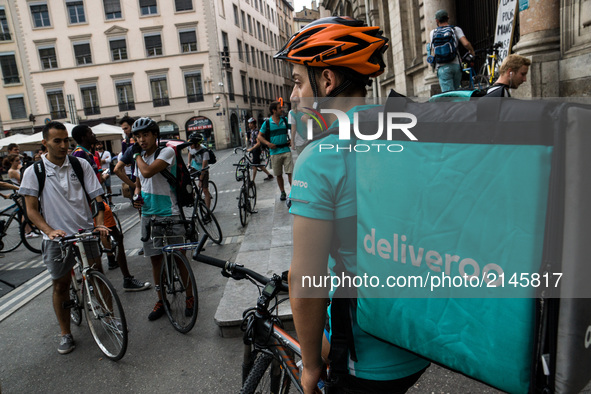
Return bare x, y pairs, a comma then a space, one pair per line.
23, 294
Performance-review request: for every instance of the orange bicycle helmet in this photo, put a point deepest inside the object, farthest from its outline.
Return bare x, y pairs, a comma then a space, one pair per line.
338, 41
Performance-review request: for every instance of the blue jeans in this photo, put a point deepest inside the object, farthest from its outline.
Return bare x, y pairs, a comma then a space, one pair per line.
450, 76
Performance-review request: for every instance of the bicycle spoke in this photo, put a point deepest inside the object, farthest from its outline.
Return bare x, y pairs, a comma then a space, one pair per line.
11, 237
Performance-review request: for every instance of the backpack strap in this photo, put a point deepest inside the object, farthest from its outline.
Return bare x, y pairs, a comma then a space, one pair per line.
165, 173
77, 167
40, 173
39, 169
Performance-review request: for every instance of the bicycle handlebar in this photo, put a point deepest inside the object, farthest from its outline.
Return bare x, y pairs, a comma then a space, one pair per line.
74, 237
233, 270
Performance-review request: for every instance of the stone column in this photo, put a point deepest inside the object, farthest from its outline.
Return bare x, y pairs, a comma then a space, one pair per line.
430, 7
540, 41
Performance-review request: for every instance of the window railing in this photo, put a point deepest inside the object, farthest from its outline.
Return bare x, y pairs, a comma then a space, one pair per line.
92, 110
161, 102
193, 98
129, 106
11, 79
5, 37
59, 114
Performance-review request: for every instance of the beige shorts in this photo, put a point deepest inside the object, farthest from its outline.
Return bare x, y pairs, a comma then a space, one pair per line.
282, 163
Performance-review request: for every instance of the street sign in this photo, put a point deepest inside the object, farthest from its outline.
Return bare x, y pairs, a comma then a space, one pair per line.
505, 26
523, 5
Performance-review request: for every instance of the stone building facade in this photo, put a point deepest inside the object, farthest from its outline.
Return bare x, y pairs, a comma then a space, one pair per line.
554, 34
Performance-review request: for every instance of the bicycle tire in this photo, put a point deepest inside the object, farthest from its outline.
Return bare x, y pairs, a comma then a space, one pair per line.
11, 237
208, 222
243, 205
76, 308
241, 163
33, 244
119, 227
174, 294
213, 191
266, 376
252, 195
107, 324
480, 82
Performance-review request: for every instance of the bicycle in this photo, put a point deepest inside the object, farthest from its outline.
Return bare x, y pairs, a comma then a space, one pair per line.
177, 281
247, 198
490, 69
91, 291
247, 157
271, 355
202, 215
16, 228
479, 81
211, 186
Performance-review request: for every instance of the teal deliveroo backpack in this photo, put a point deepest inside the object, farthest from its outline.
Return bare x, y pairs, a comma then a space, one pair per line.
492, 187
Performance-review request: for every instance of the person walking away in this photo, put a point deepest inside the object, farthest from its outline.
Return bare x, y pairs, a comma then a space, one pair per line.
512, 74
65, 210
324, 205
274, 133
198, 159
444, 45
255, 148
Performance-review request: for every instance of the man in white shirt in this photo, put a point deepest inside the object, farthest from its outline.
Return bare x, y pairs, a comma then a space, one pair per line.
65, 210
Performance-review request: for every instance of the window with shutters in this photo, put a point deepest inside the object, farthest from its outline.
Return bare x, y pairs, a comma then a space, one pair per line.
112, 9
148, 7
90, 100
40, 14
194, 86
153, 45
183, 5
4, 30
188, 39
48, 58
57, 109
76, 11
17, 107
82, 53
9, 68
159, 89
118, 48
125, 95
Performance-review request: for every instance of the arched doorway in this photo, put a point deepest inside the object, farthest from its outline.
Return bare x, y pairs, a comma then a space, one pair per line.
234, 131
202, 125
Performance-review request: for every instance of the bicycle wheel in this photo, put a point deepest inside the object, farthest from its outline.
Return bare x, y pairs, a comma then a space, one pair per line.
31, 239
480, 82
208, 222
243, 207
252, 195
76, 306
105, 316
10, 234
213, 191
177, 284
266, 376
241, 163
265, 157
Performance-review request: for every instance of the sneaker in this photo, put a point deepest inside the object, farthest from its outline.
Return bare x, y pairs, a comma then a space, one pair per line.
268, 178
141, 252
32, 234
66, 344
157, 312
132, 284
190, 305
283, 196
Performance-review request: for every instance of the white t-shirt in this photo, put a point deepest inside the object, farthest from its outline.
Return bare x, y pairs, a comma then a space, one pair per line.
106, 156
63, 203
459, 33
197, 158
159, 197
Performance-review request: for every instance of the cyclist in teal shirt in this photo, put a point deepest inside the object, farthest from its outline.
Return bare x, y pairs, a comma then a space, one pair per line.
324, 202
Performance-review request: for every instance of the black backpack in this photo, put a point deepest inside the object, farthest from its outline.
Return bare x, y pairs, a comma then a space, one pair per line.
212, 158
443, 45
181, 183
267, 133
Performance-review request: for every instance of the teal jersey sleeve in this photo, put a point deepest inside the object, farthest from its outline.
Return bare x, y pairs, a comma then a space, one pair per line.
323, 186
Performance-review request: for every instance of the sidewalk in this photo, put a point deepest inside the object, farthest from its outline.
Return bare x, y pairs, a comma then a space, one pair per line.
266, 249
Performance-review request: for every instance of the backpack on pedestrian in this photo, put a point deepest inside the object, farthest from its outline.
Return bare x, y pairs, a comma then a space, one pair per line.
212, 158
267, 133
443, 44
181, 181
